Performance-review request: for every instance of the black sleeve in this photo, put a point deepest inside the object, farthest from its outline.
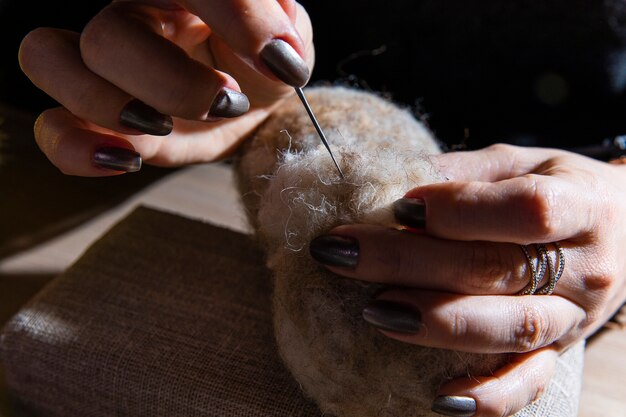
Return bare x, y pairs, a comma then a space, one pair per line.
547, 73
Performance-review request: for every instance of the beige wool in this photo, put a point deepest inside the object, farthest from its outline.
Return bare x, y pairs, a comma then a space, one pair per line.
293, 193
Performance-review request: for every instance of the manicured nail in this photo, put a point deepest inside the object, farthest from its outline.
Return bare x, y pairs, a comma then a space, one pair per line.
229, 103
335, 251
410, 212
454, 406
118, 159
140, 116
387, 315
285, 63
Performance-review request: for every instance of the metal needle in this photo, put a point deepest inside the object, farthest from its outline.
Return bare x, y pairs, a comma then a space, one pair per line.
318, 128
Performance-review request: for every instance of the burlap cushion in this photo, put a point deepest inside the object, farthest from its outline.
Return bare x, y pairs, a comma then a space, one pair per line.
166, 316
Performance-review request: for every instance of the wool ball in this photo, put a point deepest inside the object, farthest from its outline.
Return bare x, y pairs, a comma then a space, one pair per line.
293, 193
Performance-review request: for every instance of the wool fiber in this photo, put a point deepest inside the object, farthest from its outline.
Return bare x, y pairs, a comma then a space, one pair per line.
293, 193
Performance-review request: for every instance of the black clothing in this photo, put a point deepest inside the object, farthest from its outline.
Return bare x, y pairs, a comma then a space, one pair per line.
548, 73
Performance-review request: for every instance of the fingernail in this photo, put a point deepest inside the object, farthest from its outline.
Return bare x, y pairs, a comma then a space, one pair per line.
388, 315
118, 159
410, 212
454, 406
229, 103
140, 116
285, 63
335, 251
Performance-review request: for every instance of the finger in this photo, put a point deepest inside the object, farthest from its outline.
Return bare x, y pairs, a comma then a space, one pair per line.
261, 33
124, 44
76, 149
494, 163
51, 59
504, 393
290, 9
389, 256
529, 209
483, 324
262, 91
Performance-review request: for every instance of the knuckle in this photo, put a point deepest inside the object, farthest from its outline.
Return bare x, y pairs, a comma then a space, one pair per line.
540, 385
104, 29
600, 285
97, 35
533, 330
602, 280
536, 381
537, 207
503, 148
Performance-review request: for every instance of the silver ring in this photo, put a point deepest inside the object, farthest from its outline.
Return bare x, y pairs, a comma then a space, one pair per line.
542, 265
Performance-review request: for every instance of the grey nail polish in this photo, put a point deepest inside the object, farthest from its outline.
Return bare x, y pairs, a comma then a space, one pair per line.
335, 251
118, 159
410, 212
138, 115
454, 406
285, 63
229, 103
395, 317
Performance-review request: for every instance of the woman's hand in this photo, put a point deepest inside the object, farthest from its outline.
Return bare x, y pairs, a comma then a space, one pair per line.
455, 284
139, 62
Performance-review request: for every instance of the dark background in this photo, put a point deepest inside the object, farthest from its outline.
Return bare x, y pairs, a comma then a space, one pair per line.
549, 73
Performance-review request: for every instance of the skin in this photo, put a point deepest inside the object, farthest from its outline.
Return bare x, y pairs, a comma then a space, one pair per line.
463, 273
176, 56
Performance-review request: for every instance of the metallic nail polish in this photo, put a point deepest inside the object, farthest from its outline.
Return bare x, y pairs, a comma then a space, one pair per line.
138, 115
229, 103
335, 251
285, 63
388, 315
410, 212
117, 159
454, 406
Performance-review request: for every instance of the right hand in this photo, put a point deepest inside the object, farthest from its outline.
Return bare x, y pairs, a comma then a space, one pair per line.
138, 62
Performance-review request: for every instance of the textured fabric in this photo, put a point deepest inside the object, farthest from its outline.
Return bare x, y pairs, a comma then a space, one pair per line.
170, 317
561, 397
162, 317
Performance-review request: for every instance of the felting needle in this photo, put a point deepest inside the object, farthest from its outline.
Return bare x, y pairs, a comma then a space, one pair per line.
300, 94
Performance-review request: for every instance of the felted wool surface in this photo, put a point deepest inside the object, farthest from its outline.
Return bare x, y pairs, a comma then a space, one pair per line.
293, 193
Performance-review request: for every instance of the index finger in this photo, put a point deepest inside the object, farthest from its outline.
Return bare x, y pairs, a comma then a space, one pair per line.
261, 32
494, 163
527, 209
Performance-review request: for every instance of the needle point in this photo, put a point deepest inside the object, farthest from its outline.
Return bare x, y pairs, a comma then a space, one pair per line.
300, 94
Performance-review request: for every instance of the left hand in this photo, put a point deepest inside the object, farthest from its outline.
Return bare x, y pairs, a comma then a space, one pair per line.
166, 82
456, 283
